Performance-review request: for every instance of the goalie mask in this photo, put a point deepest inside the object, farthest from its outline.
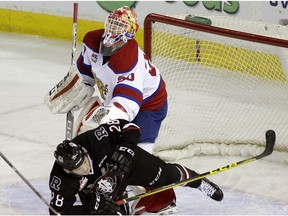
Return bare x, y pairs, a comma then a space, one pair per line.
69, 155
121, 25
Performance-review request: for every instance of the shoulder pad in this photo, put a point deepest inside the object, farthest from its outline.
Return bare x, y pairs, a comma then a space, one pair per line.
92, 39
125, 59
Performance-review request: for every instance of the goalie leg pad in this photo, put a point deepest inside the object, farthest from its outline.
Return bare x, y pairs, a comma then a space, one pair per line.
160, 203
100, 115
71, 93
93, 103
93, 118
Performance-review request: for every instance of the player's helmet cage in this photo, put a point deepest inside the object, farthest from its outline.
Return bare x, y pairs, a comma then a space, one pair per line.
120, 25
69, 155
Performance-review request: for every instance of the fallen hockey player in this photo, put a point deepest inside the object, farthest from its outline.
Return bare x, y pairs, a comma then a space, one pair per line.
99, 164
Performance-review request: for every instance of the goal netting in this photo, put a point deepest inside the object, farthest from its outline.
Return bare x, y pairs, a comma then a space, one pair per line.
227, 85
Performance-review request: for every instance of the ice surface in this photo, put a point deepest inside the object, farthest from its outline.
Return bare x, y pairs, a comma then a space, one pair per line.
29, 67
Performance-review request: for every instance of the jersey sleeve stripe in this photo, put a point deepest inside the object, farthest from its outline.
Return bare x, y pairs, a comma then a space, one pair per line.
122, 90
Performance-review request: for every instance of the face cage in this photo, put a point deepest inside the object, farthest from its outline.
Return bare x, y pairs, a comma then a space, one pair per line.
116, 30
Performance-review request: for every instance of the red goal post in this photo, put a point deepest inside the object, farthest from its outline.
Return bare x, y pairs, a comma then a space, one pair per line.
150, 18
227, 84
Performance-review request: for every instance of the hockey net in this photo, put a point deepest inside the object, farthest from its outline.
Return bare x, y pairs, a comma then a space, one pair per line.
227, 85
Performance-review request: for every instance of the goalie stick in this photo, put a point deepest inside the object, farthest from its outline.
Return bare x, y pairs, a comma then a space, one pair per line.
70, 114
270, 142
29, 184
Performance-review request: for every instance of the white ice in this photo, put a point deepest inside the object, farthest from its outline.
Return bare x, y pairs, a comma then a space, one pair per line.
29, 67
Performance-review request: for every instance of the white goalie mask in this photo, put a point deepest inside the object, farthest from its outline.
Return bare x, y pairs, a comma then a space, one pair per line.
121, 25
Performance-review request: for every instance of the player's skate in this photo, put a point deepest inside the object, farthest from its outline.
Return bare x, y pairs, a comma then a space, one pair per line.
211, 190
204, 185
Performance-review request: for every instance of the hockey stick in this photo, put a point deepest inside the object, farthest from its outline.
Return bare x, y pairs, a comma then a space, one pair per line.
29, 184
70, 114
270, 141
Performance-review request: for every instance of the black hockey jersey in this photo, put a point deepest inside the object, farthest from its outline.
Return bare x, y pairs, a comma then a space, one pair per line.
100, 144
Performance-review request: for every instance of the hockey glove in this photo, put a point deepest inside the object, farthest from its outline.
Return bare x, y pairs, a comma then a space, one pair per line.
130, 133
103, 205
71, 93
122, 158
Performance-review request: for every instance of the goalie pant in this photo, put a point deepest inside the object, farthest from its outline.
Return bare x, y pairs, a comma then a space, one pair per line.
146, 170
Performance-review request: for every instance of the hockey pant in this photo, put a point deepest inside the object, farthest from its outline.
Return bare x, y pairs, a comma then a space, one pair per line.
151, 172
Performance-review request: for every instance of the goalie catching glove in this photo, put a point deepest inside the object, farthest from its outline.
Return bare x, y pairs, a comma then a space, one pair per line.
71, 93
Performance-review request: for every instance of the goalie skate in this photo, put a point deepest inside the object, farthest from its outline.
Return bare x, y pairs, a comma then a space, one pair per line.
211, 190
168, 210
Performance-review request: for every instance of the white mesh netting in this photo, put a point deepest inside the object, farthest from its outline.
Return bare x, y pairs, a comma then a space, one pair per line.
223, 93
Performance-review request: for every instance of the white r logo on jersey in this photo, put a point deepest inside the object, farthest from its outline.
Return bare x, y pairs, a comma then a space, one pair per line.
55, 183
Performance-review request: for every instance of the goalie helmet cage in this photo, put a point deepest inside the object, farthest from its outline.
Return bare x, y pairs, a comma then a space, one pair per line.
227, 85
